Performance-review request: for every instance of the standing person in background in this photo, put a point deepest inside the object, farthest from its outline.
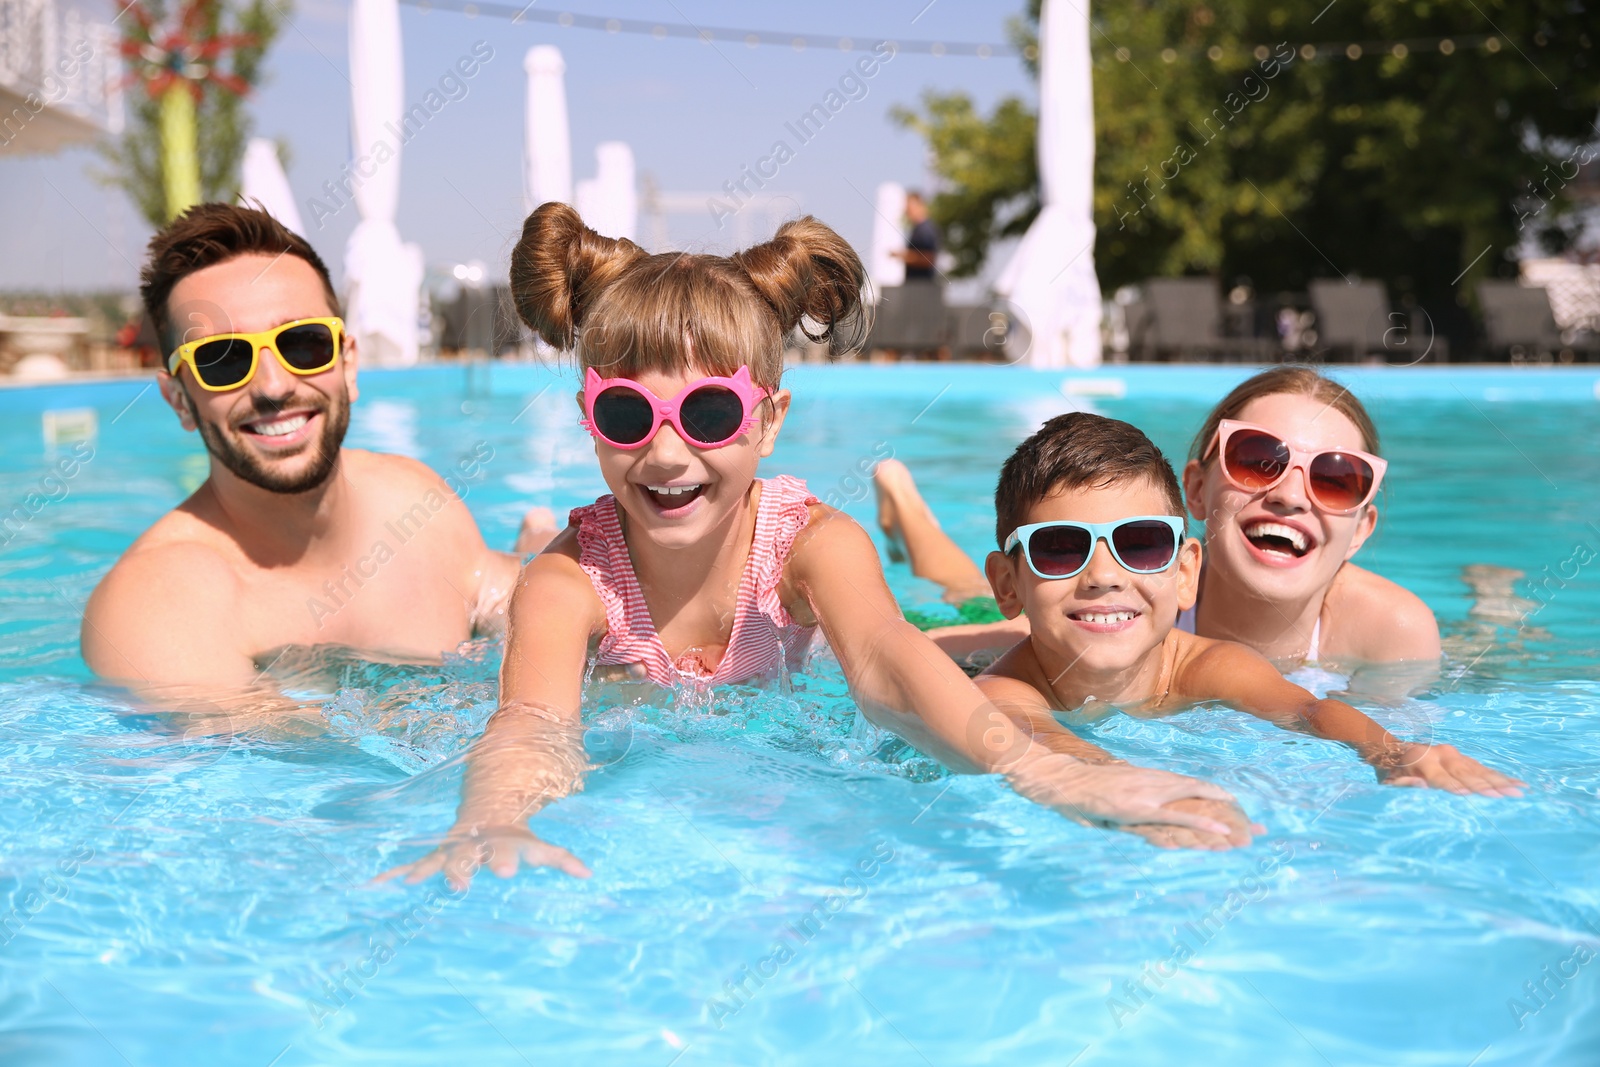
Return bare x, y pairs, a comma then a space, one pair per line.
921, 299
922, 244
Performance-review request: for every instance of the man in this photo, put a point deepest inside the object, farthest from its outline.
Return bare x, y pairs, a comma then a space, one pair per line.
922, 243
921, 299
292, 539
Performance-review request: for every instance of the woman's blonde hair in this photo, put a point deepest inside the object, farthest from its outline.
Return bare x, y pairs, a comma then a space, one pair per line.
1295, 380
624, 311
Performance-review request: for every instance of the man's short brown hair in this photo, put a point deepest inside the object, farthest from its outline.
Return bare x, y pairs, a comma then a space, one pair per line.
1073, 451
208, 234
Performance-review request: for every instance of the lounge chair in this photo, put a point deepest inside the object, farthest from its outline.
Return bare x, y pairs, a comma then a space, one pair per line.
1176, 318
975, 331
1520, 324
909, 319
1353, 319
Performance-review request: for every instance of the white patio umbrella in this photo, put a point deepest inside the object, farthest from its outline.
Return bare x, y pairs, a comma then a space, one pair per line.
1050, 279
383, 276
547, 145
609, 202
888, 237
262, 181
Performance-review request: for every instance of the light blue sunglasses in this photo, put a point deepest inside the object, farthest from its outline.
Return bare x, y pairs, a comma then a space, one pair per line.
1144, 544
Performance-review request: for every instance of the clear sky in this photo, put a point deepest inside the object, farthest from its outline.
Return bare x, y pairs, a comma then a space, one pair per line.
693, 113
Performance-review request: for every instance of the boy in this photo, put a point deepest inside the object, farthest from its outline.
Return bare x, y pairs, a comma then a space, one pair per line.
1091, 529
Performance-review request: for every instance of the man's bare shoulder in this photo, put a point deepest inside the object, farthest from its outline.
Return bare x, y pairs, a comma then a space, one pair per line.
184, 545
177, 582
395, 485
382, 474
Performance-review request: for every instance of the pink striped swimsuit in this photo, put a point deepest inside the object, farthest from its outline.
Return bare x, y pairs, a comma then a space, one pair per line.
764, 637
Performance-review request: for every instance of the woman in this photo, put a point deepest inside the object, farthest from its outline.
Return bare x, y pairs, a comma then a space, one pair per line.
1285, 474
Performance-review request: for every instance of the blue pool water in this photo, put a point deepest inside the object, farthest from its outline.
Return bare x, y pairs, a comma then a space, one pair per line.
776, 882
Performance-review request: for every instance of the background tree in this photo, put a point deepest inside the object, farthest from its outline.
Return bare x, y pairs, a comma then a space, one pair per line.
1404, 163
215, 47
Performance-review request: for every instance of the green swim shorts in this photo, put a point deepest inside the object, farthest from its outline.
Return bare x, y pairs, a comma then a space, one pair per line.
978, 610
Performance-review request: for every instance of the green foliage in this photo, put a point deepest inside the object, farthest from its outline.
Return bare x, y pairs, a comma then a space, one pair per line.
1404, 167
223, 124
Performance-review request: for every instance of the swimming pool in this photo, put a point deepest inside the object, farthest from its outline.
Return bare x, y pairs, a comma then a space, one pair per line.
774, 881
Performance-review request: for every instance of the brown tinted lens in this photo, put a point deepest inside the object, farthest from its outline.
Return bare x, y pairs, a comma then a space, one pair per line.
1254, 460
1339, 481
1145, 546
1059, 551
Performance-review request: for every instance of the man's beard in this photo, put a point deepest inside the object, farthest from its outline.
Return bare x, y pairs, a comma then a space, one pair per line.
248, 465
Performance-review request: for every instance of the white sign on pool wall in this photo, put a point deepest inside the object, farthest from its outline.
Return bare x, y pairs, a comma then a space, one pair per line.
1109, 388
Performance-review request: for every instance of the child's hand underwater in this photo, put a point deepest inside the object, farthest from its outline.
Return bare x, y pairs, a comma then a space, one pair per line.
1115, 795
1168, 835
1442, 767
500, 848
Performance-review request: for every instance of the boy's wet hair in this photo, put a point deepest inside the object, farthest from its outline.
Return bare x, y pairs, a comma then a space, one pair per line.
208, 234
625, 311
1075, 451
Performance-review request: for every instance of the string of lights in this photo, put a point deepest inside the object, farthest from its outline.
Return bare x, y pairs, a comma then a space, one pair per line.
1444, 46
752, 38
687, 31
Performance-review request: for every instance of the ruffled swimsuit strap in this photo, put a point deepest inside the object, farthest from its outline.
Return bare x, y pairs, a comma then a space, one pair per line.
785, 511
763, 632
603, 554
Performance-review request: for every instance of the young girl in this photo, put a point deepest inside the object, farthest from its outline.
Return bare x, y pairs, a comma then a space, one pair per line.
1284, 473
693, 572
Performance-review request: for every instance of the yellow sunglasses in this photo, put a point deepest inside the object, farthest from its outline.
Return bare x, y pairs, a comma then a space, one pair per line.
228, 360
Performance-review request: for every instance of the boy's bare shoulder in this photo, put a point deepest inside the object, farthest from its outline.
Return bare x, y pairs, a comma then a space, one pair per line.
1375, 619
1204, 668
1014, 680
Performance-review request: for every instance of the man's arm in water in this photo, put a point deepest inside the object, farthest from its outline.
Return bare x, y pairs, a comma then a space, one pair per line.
499, 572
482, 576
166, 615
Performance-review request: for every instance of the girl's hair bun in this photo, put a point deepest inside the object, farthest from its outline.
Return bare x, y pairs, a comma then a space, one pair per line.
811, 278
558, 269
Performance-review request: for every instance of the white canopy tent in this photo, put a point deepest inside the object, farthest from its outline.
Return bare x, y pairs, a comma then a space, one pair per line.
263, 182
547, 144
888, 237
1050, 280
609, 202
383, 276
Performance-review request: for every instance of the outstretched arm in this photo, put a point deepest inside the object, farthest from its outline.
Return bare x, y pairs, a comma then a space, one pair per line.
1242, 678
903, 682
1031, 712
531, 752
